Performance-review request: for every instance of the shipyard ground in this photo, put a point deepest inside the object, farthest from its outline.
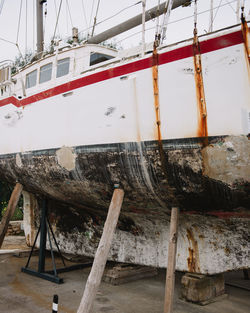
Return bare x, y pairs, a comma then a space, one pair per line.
23, 293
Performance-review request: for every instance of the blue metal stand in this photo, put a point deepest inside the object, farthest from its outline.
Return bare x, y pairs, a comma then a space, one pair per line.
45, 229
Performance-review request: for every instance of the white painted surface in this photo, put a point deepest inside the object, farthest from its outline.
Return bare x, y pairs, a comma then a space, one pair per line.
122, 110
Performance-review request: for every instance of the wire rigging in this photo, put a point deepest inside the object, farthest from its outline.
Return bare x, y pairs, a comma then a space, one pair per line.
175, 21
69, 13
231, 6
157, 21
57, 19
26, 26
58, 29
95, 18
84, 13
165, 21
110, 17
19, 20
92, 10
217, 10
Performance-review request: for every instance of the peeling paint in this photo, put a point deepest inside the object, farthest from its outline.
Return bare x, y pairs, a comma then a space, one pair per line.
66, 158
18, 160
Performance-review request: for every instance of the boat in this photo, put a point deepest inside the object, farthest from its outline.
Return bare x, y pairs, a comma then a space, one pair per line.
169, 125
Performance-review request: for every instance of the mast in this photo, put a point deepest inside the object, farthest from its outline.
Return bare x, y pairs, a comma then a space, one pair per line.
135, 21
39, 25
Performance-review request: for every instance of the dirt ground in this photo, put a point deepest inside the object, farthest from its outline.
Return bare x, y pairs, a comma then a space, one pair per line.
23, 293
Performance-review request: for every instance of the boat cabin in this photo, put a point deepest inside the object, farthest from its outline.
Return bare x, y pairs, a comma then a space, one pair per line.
66, 64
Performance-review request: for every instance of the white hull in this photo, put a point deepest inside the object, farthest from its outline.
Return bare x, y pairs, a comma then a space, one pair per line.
71, 142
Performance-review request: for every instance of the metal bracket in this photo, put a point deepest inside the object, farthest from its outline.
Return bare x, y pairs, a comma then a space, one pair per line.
45, 229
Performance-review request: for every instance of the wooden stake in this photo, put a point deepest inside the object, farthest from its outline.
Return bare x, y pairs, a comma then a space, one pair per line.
15, 196
170, 276
101, 255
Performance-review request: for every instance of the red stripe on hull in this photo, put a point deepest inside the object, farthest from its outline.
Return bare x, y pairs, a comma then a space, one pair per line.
209, 45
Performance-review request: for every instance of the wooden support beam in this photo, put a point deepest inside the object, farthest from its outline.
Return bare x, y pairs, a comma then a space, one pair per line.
15, 196
101, 255
170, 276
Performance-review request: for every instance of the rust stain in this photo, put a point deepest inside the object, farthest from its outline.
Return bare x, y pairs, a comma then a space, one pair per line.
193, 259
200, 92
158, 120
245, 33
156, 93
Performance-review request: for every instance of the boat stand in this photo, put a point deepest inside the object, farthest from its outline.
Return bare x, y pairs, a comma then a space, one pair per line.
45, 229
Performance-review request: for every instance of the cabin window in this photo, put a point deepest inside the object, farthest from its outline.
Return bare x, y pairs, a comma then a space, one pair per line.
96, 58
31, 79
45, 73
62, 67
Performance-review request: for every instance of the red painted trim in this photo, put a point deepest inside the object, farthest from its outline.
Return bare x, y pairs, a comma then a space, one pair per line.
221, 214
209, 45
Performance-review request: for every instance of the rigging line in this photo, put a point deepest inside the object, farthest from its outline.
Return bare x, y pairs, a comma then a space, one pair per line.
175, 21
110, 17
33, 25
1, 6
26, 25
7, 41
67, 18
57, 18
195, 17
58, 30
45, 19
157, 21
217, 10
166, 20
92, 9
20, 51
230, 6
117, 13
238, 11
210, 28
97, 8
84, 13
19, 19
69, 13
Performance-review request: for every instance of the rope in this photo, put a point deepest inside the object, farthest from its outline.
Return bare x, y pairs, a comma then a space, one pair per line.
59, 10
19, 19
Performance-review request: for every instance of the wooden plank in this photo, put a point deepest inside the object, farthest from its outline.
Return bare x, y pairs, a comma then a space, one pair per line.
15, 196
170, 276
101, 255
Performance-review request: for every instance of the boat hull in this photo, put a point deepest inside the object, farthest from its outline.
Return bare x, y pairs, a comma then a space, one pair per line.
171, 128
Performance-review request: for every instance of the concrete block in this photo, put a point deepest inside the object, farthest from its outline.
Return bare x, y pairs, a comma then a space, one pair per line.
202, 289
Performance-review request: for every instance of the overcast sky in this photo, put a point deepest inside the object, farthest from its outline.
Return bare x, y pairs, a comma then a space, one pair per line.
77, 13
